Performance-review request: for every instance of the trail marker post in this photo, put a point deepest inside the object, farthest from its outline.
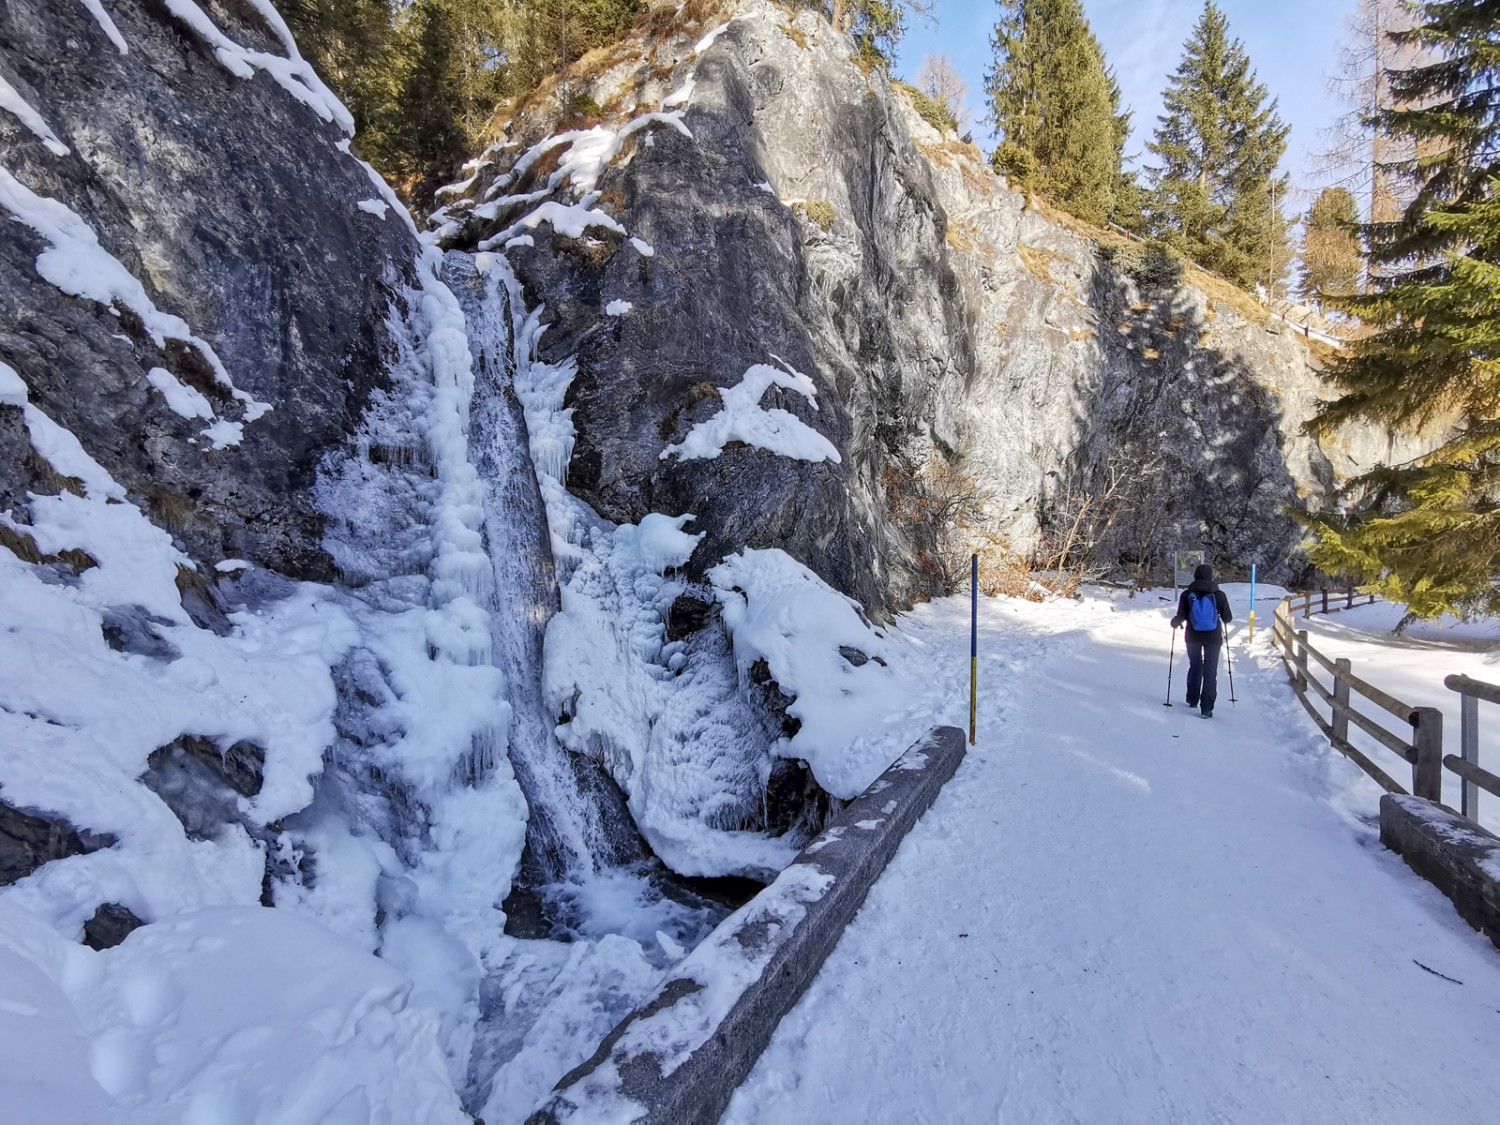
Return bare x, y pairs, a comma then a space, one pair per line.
1183, 565
973, 645
1251, 621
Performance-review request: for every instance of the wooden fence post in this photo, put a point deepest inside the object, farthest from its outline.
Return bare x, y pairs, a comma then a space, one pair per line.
1427, 739
1341, 701
1325, 599
1301, 659
1468, 750
1307, 604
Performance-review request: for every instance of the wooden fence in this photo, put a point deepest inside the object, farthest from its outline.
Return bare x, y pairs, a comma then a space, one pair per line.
1423, 748
1305, 605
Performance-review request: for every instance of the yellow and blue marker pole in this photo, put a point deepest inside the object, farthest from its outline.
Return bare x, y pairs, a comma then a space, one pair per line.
1251, 622
973, 644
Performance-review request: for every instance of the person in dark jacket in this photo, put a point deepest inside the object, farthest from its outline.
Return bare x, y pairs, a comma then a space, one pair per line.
1203, 603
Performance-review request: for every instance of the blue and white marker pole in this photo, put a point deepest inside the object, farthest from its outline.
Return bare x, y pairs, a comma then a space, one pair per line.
973, 644
1251, 620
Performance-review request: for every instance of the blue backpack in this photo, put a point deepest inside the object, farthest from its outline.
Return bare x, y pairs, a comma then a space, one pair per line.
1203, 612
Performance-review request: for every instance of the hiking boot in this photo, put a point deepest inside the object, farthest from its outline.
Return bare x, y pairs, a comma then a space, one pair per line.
1208, 712
1192, 701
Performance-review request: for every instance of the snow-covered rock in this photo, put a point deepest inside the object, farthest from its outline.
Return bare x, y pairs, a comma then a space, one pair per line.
802, 208
198, 262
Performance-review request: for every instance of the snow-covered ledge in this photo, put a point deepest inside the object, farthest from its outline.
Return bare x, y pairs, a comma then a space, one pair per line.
1450, 851
680, 1056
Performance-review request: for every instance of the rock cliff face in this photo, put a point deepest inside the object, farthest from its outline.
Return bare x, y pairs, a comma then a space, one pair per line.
801, 209
222, 249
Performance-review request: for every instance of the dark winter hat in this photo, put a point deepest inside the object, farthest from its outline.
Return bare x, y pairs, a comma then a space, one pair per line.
1204, 573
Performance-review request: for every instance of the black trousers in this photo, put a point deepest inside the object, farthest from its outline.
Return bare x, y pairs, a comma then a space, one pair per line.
1203, 673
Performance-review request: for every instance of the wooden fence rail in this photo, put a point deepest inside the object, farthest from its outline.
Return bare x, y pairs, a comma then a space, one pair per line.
1325, 601
1422, 750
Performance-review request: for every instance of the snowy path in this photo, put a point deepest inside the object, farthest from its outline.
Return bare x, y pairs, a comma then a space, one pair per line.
1118, 912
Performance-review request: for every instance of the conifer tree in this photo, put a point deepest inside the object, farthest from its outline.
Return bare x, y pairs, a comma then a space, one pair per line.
1214, 194
1331, 264
1428, 533
876, 25
427, 140
350, 42
1056, 105
423, 77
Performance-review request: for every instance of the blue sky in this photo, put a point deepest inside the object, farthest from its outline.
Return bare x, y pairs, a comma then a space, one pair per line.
1293, 45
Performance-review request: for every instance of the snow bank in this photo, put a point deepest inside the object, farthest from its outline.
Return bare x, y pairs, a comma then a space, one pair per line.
80, 719
190, 1017
819, 649
743, 419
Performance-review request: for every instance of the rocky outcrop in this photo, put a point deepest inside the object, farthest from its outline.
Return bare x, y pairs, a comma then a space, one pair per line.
202, 783
110, 925
242, 225
30, 838
802, 209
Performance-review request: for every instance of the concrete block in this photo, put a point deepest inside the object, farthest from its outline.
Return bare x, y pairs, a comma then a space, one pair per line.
1453, 853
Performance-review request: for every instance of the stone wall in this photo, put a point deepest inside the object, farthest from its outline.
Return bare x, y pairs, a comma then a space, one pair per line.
1451, 852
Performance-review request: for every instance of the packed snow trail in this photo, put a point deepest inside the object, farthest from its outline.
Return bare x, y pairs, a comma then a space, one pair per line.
1120, 912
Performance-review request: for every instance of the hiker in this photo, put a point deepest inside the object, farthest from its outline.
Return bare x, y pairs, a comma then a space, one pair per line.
1204, 609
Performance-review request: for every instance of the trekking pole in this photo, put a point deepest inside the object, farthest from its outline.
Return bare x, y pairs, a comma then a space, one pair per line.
1229, 660
1171, 656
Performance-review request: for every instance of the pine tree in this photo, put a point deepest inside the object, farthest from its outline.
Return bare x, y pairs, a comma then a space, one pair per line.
1214, 194
1128, 208
1428, 533
1331, 265
427, 140
1056, 105
423, 77
876, 25
350, 43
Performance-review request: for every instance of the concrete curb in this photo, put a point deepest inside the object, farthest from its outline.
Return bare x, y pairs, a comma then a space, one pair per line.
678, 1058
1453, 853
